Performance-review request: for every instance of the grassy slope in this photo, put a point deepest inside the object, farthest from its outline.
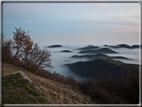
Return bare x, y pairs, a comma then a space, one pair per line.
17, 90
57, 92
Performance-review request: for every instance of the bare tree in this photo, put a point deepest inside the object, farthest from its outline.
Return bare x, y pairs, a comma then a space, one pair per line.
23, 43
27, 50
39, 58
32, 56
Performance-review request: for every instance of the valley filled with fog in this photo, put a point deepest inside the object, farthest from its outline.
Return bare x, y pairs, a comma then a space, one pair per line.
59, 58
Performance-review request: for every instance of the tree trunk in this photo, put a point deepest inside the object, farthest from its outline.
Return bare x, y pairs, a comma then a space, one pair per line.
15, 55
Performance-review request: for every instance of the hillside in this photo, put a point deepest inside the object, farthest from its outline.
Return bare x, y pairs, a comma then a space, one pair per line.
102, 66
91, 56
17, 90
57, 92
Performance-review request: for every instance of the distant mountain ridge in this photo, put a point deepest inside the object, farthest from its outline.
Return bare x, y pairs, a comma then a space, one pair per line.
124, 46
99, 54
102, 50
89, 47
54, 46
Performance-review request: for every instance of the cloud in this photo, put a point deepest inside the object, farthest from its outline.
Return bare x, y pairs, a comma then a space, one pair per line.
124, 28
102, 5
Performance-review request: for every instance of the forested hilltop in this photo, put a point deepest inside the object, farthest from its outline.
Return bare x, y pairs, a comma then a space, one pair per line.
102, 66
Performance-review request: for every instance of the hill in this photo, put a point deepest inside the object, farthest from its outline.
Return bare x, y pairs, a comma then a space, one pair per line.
54, 46
57, 92
66, 51
89, 47
91, 57
101, 91
102, 50
125, 46
101, 66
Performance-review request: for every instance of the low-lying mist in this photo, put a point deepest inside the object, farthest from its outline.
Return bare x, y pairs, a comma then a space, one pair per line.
59, 59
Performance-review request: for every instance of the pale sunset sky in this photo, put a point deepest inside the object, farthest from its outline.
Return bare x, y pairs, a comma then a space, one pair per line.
72, 18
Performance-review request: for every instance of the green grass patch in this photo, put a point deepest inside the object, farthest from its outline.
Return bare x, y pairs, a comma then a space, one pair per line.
17, 90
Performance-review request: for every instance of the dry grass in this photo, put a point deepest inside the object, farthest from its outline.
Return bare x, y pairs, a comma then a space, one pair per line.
17, 90
57, 92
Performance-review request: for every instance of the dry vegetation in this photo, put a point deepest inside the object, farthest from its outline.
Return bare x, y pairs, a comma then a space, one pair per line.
57, 92
61, 90
17, 90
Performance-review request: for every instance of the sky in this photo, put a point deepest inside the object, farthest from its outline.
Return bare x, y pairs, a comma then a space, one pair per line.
71, 18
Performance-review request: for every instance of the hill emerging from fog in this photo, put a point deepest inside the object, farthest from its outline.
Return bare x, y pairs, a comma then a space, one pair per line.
102, 50
102, 66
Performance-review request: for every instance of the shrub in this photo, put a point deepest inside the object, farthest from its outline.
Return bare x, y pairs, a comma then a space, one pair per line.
113, 91
7, 55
